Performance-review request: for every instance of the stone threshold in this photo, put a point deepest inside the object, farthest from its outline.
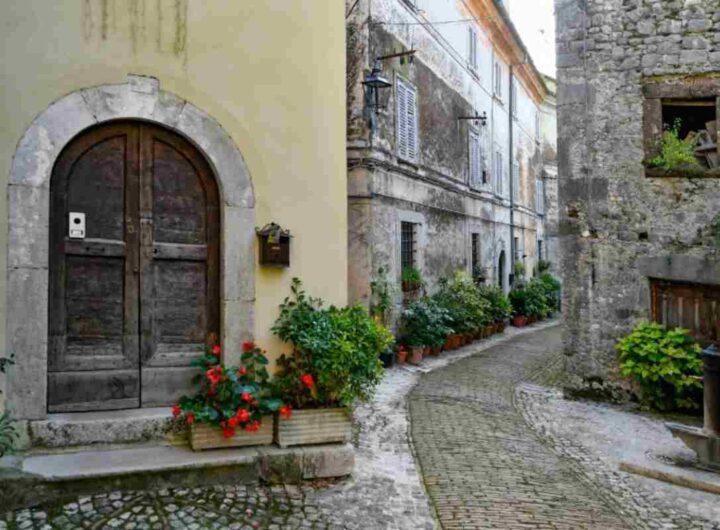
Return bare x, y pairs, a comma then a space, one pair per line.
687, 477
53, 478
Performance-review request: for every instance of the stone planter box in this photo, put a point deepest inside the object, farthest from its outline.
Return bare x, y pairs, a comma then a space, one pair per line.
204, 436
314, 426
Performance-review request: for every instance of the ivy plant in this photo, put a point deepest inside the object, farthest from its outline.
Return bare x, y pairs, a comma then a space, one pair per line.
665, 364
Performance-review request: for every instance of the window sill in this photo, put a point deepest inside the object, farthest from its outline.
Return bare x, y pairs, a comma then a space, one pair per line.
688, 172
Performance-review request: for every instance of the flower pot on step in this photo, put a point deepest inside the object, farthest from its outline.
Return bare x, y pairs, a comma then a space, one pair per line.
204, 436
519, 321
314, 426
416, 355
435, 350
402, 356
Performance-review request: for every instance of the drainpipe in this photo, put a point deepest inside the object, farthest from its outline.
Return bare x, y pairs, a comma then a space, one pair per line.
513, 250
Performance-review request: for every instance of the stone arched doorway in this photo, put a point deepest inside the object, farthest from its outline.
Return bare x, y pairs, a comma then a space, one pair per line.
134, 269
29, 223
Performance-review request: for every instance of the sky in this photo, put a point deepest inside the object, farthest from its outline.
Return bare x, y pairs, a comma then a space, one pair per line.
535, 21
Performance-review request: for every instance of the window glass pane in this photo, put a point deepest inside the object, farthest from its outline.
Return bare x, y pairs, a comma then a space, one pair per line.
407, 245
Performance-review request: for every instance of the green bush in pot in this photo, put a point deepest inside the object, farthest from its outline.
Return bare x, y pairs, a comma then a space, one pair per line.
499, 305
425, 323
467, 309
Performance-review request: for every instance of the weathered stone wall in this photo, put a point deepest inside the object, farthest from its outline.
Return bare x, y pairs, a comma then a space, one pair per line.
434, 191
612, 215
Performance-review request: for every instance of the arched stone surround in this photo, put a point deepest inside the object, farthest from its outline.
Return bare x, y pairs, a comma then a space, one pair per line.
28, 219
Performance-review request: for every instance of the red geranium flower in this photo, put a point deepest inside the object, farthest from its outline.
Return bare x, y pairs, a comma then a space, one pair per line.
246, 396
228, 432
214, 375
242, 415
248, 346
176, 410
216, 349
242, 370
286, 412
190, 418
211, 391
307, 380
252, 427
233, 422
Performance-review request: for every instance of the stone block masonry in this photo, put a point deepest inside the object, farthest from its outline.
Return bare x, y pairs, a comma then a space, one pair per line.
614, 218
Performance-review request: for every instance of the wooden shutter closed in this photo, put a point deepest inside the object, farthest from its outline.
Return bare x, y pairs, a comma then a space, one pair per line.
406, 121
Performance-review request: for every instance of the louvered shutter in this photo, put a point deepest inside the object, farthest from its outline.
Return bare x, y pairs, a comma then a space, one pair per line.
406, 119
475, 160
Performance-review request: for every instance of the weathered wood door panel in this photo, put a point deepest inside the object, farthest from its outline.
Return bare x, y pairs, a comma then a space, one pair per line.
133, 302
692, 306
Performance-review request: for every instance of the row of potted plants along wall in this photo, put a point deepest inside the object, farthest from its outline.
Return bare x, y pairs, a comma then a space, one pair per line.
459, 313
536, 299
334, 361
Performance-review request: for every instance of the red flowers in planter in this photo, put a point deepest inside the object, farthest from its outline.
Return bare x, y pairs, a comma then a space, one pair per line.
307, 380
231, 397
286, 412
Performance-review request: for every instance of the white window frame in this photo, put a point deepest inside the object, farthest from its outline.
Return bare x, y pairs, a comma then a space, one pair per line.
475, 159
472, 48
406, 120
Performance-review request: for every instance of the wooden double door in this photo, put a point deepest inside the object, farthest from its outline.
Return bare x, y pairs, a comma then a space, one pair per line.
134, 299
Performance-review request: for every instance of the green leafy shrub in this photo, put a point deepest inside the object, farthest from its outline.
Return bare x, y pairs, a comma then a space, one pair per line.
499, 305
231, 397
529, 300
335, 358
665, 364
674, 152
543, 266
519, 274
461, 298
551, 290
425, 323
382, 300
8, 435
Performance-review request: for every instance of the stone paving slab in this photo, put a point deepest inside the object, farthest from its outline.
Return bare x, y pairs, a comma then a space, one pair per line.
596, 439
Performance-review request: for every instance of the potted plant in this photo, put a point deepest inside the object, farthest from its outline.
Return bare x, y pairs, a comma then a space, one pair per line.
468, 311
334, 362
401, 355
411, 280
518, 300
424, 325
234, 406
500, 309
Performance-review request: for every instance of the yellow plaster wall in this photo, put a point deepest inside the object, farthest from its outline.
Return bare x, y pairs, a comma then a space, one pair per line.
271, 72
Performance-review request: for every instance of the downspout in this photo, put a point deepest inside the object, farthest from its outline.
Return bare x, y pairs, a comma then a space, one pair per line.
513, 250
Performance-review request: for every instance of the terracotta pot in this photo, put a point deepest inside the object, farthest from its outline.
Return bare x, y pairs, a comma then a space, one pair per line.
416, 355
469, 338
402, 356
435, 350
427, 351
314, 426
519, 321
489, 330
449, 344
408, 287
204, 436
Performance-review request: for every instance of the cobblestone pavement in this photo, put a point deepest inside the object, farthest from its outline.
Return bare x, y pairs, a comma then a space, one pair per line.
385, 492
485, 468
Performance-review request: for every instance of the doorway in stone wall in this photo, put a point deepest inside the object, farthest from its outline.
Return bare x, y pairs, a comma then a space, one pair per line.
134, 267
501, 270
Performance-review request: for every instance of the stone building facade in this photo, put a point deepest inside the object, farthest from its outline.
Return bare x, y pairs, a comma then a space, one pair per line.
636, 243
429, 188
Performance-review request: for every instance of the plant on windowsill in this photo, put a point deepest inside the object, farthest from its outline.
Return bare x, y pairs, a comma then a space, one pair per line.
676, 157
411, 279
235, 405
334, 362
478, 274
8, 435
665, 365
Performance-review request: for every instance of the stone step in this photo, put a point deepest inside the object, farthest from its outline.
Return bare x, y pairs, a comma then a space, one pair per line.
41, 478
84, 429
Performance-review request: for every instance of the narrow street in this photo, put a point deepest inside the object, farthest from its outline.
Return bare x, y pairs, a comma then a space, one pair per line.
483, 466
